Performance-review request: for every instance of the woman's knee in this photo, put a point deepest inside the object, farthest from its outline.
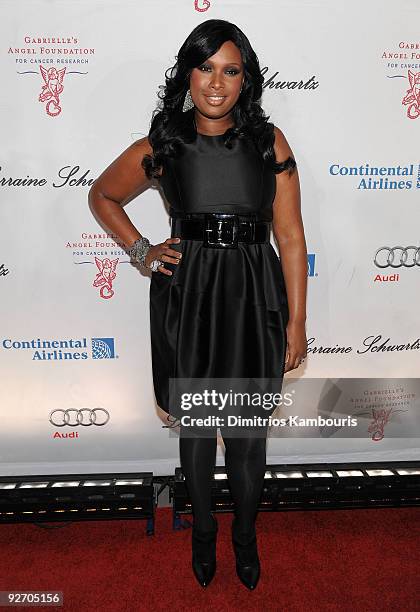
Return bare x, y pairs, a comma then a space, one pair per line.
244, 448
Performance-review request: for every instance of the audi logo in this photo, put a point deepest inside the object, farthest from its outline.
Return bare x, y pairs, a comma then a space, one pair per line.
74, 417
396, 257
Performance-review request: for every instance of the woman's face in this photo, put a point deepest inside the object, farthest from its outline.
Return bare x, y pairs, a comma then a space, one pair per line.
215, 85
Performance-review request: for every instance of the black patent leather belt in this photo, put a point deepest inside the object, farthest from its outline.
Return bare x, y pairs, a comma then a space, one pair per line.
221, 230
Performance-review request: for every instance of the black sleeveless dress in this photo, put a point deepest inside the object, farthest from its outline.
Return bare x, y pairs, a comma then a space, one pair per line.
223, 312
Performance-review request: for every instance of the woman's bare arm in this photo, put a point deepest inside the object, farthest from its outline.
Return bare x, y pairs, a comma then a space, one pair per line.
120, 182
289, 233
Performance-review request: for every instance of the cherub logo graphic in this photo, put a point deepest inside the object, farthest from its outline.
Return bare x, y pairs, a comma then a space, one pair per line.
380, 419
205, 5
412, 97
105, 276
52, 89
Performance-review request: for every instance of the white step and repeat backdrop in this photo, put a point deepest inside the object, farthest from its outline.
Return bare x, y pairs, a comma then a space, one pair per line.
79, 83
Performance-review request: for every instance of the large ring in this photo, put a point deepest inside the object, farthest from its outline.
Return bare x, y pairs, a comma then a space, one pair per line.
155, 265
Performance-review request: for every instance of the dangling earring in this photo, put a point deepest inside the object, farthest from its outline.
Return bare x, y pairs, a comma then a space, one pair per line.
188, 102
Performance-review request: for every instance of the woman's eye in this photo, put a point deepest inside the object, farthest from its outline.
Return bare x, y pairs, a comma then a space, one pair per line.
206, 68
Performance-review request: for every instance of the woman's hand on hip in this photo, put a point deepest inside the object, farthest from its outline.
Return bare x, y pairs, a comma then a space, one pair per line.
164, 253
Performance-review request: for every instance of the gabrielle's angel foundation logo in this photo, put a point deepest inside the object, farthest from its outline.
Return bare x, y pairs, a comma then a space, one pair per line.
49, 59
52, 89
105, 276
412, 97
106, 252
201, 5
379, 419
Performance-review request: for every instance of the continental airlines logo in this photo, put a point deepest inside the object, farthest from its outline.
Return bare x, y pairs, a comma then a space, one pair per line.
368, 177
61, 350
311, 265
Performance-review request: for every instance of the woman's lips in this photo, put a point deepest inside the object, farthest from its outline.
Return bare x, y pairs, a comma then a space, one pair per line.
215, 100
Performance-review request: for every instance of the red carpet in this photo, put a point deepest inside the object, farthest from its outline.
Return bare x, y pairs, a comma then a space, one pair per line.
350, 560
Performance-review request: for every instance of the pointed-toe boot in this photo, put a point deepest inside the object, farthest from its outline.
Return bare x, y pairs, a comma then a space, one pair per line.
204, 554
247, 561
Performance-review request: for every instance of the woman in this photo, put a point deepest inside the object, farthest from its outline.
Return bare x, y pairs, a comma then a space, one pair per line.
220, 299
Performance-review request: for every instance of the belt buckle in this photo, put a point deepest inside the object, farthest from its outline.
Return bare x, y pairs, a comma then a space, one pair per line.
221, 230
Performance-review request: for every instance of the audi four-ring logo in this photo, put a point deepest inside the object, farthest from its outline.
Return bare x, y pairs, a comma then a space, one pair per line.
83, 416
396, 257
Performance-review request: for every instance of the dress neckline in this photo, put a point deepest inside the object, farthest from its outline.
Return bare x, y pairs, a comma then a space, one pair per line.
208, 135
211, 135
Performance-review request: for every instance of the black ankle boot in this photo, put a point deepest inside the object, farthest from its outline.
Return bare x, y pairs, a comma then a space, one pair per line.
204, 553
246, 553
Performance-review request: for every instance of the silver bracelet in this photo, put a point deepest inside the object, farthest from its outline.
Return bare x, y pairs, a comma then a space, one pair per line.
138, 252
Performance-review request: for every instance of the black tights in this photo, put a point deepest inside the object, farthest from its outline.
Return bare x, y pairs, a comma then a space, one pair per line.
245, 461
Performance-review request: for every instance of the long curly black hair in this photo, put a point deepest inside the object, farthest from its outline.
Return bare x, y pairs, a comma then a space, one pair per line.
170, 127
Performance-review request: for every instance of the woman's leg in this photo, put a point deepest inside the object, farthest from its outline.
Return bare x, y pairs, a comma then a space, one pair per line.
198, 458
245, 461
